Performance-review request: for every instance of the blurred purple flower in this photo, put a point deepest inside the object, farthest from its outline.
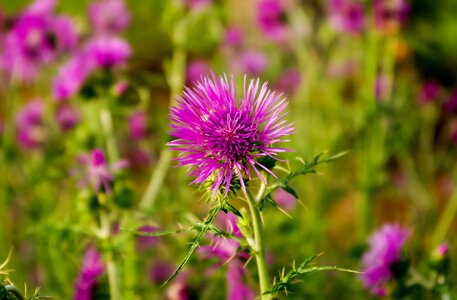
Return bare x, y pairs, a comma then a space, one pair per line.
107, 51
71, 77
380, 87
137, 125
108, 16
41, 7
271, 19
251, 62
289, 81
145, 242
65, 34
385, 250
91, 269
390, 12
30, 132
284, 199
67, 117
121, 87
161, 271
226, 251
346, 15
450, 105
196, 5
36, 38
233, 37
98, 172
196, 69
237, 289
428, 92
221, 137
443, 249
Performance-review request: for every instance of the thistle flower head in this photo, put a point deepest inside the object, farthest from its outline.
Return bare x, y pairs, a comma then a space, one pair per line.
222, 139
385, 250
91, 269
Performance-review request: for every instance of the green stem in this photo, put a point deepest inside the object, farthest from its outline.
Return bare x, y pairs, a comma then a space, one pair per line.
106, 121
176, 81
258, 245
105, 235
445, 220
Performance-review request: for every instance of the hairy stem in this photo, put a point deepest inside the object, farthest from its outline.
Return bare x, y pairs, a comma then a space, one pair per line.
258, 246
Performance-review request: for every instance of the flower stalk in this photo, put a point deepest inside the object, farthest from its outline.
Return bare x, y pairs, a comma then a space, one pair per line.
258, 244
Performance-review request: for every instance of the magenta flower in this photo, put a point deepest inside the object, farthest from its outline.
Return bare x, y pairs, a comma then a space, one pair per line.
346, 15
145, 242
137, 125
71, 77
385, 250
36, 38
284, 199
250, 62
30, 132
237, 289
108, 16
380, 88
428, 92
197, 5
388, 12
271, 19
221, 138
226, 251
450, 106
98, 171
67, 117
92, 268
233, 37
196, 69
289, 81
107, 51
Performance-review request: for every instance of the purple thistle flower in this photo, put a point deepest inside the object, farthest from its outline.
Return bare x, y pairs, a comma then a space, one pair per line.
196, 69
289, 81
390, 13
196, 5
428, 92
145, 242
385, 250
233, 37
92, 268
65, 34
161, 271
108, 16
284, 199
137, 125
107, 51
36, 38
71, 77
250, 62
236, 288
67, 117
222, 138
271, 19
99, 173
29, 122
450, 105
346, 15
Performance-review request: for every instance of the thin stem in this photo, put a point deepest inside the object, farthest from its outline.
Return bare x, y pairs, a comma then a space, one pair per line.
104, 234
176, 82
445, 220
258, 246
106, 121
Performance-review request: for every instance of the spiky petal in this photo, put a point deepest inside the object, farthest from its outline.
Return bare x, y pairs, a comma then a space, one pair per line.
221, 138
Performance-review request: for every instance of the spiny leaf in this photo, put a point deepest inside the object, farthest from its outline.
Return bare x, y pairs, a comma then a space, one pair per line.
208, 225
290, 277
307, 168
